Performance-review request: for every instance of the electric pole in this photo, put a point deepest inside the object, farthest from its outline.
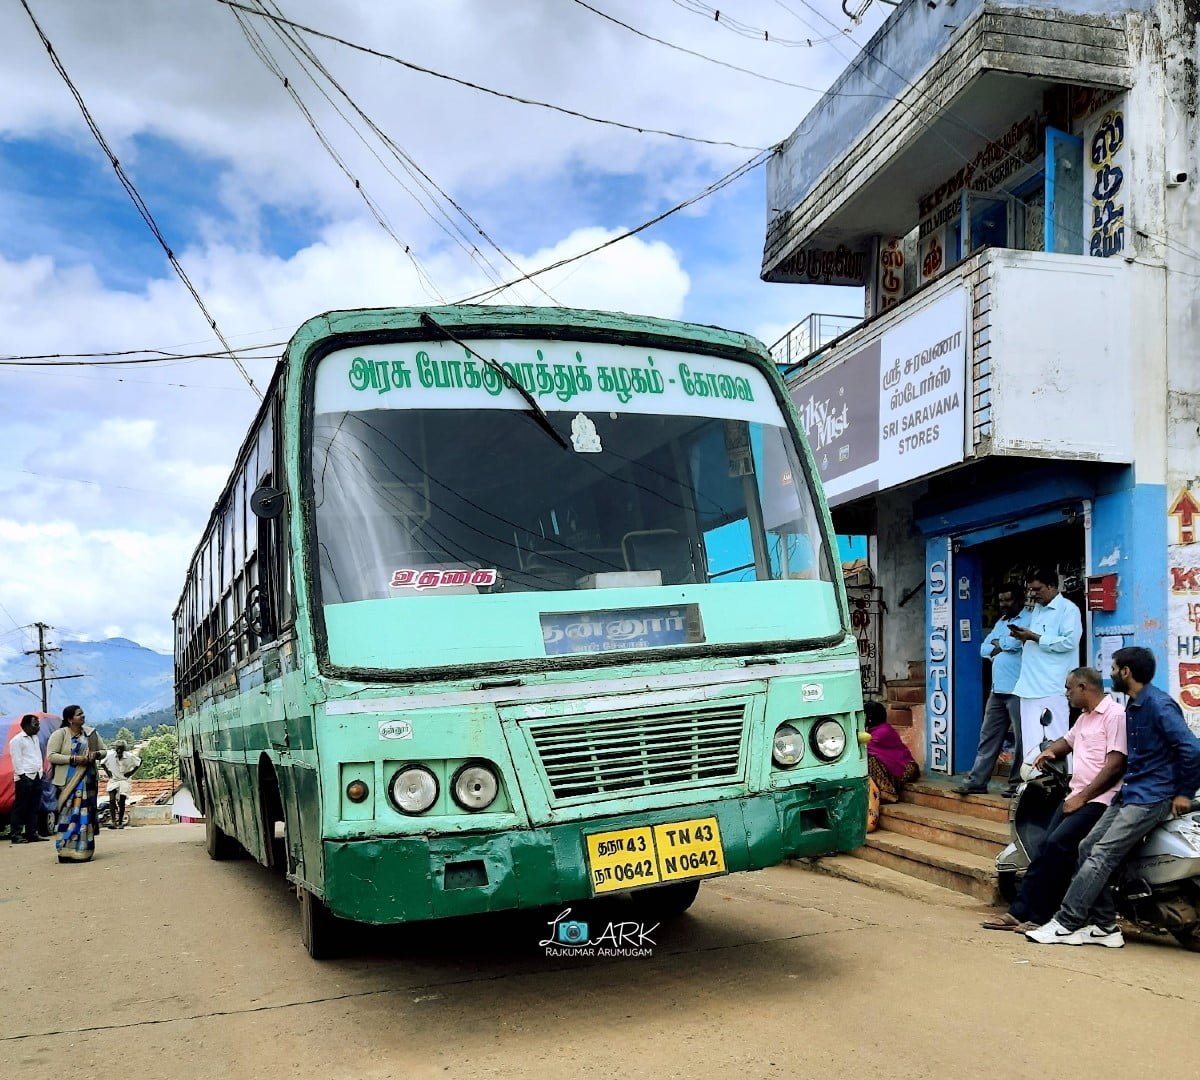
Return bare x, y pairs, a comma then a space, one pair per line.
41, 652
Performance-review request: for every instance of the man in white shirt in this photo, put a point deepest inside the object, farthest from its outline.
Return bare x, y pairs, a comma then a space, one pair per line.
25, 752
1050, 651
120, 764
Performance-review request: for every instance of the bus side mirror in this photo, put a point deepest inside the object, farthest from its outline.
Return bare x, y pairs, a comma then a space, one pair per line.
267, 502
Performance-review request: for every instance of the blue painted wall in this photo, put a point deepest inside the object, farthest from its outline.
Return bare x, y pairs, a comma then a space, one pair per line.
1129, 538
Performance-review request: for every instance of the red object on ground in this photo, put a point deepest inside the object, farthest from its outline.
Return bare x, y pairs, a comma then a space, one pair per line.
9, 728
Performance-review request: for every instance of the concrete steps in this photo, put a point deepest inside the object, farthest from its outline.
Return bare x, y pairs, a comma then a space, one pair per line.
961, 871
933, 844
976, 836
851, 868
939, 795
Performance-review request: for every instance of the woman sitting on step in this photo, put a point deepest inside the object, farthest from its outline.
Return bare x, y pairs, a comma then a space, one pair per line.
889, 762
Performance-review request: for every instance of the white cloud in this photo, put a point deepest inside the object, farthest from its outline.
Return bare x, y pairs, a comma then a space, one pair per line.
87, 581
107, 477
106, 485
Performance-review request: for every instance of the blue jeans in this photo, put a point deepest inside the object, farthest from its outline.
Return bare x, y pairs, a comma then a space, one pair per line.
1002, 712
1089, 898
1049, 874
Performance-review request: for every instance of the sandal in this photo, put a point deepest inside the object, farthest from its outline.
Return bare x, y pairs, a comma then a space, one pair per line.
1003, 922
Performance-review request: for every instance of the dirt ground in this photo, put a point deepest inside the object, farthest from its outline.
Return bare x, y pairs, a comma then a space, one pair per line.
153, 961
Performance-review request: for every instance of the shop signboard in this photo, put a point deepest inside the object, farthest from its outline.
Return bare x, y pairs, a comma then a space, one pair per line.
939, 656
1106, 165
1183, 603
825, 266
896, 409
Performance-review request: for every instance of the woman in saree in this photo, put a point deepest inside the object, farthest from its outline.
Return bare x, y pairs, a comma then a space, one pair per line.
74, 750
889, 762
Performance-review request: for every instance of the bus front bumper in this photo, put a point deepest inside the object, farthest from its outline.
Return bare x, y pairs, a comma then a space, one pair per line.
404, 879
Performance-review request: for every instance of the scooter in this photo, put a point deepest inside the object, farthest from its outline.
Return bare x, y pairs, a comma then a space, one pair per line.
1157, 887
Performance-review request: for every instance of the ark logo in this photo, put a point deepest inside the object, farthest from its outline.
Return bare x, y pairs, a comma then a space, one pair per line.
572, 937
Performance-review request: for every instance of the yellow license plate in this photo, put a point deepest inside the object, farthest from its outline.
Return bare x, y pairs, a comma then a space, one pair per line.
631, 858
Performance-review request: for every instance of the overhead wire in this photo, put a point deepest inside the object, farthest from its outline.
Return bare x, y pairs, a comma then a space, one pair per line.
692, 52
641, 129
724, 181
121, 359
302, 52
259, 48
135, 196
755, 33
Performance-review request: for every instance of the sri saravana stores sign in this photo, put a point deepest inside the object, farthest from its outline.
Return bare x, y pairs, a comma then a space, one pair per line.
896, 409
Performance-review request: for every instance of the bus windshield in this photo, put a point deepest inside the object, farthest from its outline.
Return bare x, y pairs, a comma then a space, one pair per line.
426, 492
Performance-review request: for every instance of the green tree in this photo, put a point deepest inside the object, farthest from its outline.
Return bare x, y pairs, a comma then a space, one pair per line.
160, 757
165, 729
146, 733
125, 736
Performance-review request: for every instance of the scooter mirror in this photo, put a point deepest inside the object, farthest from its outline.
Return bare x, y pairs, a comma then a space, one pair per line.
1047, 718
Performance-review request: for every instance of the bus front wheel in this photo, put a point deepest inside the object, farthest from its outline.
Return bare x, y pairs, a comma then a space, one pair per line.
322, 932
667, 901
219, 844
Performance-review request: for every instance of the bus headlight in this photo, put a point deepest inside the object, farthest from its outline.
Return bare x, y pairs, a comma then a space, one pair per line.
414, 789
788, 747
475, 786
829, 740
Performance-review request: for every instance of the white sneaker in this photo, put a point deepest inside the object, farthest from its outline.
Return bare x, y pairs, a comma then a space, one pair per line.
1110, 939
1054, 933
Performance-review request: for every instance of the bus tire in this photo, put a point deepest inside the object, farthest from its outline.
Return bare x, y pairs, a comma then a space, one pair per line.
323, 933
667, 901
217, 842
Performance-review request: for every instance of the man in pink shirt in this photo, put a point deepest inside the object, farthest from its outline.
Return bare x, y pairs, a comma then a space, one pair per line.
1098, 743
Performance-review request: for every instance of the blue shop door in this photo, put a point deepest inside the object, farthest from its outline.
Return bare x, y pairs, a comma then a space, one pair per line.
966, 635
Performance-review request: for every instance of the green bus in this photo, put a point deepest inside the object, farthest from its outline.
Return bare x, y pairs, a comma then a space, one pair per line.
509, 607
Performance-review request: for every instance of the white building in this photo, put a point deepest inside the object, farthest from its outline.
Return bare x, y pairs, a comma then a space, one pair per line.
1017, 189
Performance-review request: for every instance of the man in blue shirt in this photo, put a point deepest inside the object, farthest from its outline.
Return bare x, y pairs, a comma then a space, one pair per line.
1161, 779
1049, 653
1003, 708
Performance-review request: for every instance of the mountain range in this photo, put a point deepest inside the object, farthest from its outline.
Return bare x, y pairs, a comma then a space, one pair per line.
121, 680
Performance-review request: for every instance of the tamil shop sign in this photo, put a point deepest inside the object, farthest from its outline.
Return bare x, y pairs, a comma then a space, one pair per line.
894, 410
986, 171
821, 266
939, 658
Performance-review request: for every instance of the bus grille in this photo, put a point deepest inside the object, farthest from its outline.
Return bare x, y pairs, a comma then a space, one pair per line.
587, 756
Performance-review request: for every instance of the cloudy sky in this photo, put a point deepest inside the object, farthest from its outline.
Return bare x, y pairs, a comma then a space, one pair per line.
108, 475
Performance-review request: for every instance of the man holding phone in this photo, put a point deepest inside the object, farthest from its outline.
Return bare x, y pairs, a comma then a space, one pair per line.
1003, 708
1049, 652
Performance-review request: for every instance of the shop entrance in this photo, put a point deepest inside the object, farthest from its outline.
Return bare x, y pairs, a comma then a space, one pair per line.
983, 563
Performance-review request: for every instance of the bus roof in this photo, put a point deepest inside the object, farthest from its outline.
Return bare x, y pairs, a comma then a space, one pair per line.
550, 321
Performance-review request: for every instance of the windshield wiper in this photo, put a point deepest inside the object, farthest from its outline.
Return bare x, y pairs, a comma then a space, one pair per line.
537, 413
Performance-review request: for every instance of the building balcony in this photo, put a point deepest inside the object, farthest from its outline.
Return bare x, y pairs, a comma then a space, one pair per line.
804, 340
1010, 354
946, 99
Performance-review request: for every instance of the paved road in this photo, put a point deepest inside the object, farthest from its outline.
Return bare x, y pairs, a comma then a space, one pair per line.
194, 969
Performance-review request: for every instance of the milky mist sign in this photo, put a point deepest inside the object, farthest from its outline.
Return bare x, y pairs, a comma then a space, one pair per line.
896, 409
